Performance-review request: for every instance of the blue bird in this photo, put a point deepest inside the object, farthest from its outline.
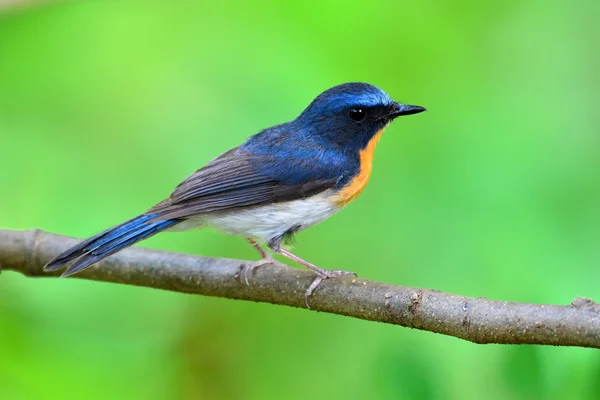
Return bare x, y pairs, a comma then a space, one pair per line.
280, 181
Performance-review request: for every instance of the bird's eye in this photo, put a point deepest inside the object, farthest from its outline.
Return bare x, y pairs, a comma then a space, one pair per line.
357, 114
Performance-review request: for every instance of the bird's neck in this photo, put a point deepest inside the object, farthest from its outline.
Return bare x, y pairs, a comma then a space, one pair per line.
358, 183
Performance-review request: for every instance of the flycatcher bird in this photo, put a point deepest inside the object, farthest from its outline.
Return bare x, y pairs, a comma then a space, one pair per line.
280, 181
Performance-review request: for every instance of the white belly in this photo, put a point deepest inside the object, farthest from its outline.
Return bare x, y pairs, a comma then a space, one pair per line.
267, 222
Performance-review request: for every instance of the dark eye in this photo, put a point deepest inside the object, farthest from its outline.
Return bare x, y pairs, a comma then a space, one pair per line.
357, 114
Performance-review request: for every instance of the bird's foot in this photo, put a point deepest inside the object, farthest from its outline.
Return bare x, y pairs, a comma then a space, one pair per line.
323, 274
247, 268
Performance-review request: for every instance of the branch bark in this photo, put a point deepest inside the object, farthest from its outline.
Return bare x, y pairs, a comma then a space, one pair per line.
478, 320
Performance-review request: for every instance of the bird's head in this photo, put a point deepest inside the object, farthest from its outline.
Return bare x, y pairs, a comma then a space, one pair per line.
351, 114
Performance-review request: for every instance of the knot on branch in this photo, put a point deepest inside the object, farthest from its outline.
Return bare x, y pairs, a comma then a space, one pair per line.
583, 303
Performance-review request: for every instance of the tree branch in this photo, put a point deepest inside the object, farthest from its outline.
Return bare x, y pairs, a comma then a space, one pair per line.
475, 319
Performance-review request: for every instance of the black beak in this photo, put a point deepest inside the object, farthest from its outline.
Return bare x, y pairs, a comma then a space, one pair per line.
404, 109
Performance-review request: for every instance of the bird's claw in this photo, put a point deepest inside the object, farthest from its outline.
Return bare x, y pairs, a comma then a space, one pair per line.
325, 274
247, 268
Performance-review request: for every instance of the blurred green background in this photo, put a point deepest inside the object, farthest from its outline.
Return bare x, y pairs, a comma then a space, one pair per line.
495, 192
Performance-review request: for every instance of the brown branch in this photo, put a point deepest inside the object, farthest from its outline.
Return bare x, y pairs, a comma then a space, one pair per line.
475, 319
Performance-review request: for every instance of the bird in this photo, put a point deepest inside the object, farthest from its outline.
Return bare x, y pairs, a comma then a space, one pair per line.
280, 181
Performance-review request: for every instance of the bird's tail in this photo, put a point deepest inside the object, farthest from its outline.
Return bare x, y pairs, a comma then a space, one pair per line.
109, 242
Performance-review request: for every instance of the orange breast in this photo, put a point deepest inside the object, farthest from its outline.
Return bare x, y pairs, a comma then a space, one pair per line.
357, 185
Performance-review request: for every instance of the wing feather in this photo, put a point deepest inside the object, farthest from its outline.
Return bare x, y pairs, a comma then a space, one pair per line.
231, 182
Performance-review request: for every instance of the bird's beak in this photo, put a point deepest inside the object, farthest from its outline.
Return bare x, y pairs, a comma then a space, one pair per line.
404, 109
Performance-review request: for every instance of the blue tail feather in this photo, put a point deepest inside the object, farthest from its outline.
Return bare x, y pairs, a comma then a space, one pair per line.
109, 242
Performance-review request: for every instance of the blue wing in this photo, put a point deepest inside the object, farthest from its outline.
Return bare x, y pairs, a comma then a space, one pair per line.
242, 178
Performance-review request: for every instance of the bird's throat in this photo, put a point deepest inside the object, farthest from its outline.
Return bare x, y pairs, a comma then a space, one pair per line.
358, 184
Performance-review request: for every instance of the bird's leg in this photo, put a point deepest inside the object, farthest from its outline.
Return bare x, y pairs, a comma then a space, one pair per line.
265, 258
321, 273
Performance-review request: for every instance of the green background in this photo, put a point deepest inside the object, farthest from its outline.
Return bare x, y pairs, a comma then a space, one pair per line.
495, 192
